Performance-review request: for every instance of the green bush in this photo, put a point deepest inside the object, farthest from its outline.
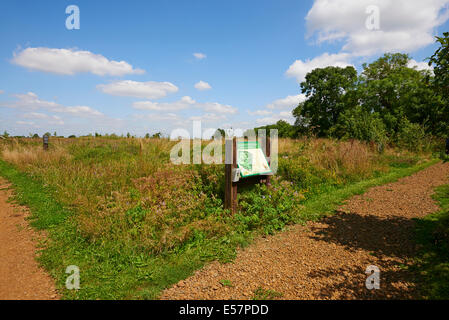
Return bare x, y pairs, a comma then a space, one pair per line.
363, 125
412, 136
269, 208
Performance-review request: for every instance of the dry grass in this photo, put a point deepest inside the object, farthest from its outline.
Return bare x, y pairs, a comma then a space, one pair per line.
34, 155
352, 158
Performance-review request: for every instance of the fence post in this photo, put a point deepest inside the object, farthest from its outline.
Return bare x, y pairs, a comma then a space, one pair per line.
45, 141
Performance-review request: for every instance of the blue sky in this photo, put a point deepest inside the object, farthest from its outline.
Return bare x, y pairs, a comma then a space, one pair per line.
131, 67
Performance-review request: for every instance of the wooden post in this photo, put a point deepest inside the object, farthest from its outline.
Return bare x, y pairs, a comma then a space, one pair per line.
447, 145
45, 141
228, 174
234, 184
268, 155
230, 164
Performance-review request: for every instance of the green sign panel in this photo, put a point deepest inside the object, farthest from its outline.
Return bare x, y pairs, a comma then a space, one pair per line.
251, 160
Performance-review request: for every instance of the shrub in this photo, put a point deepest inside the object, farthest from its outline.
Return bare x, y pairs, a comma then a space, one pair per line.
269, 208
411, 136
362, 125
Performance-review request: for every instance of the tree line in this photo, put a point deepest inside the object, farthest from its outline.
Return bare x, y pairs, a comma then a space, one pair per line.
387, 102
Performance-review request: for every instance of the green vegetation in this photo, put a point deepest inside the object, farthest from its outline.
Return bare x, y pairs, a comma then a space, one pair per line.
266, 294
433, 260
226, 283
134, 223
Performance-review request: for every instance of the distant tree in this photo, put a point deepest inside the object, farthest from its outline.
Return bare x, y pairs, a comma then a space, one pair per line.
35, 135
48, 134
128, 135
55, 134
147, 136
97, 135
6, 134
285, 129
72, 136
329, 91
157, 135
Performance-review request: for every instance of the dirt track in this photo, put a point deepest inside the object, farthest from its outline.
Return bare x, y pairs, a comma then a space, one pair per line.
20, 276
328, 259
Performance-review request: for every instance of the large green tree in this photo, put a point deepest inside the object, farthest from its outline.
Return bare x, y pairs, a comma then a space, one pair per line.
440, 81
389, 87
440, 62
329, 91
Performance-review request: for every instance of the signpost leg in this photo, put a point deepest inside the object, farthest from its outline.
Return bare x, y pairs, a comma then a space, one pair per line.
234, 184
447, 145
230, 187
268, 155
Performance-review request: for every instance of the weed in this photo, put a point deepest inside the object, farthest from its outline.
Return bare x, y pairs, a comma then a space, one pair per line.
226, 283
266, 294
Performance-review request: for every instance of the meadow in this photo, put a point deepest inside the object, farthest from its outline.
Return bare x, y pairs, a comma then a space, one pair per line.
134, 223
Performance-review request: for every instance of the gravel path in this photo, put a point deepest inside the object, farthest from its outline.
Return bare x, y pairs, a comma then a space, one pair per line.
20, 276
328, 259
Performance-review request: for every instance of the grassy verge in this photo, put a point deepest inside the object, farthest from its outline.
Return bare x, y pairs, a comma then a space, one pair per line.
109, 271
432, 234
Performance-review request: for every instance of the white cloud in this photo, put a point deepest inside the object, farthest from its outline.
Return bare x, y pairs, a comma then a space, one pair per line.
217, 107
50, 119
184, 103
299, 69
199, 55
404, 25
129, 88
286, 116
260, 113
70, 62
270, 115
162, 117
25, 123
288, 102
207, 117
419, 65
201, 85
30, 101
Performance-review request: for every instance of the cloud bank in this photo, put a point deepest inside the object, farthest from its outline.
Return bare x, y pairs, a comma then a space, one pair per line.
70, 62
